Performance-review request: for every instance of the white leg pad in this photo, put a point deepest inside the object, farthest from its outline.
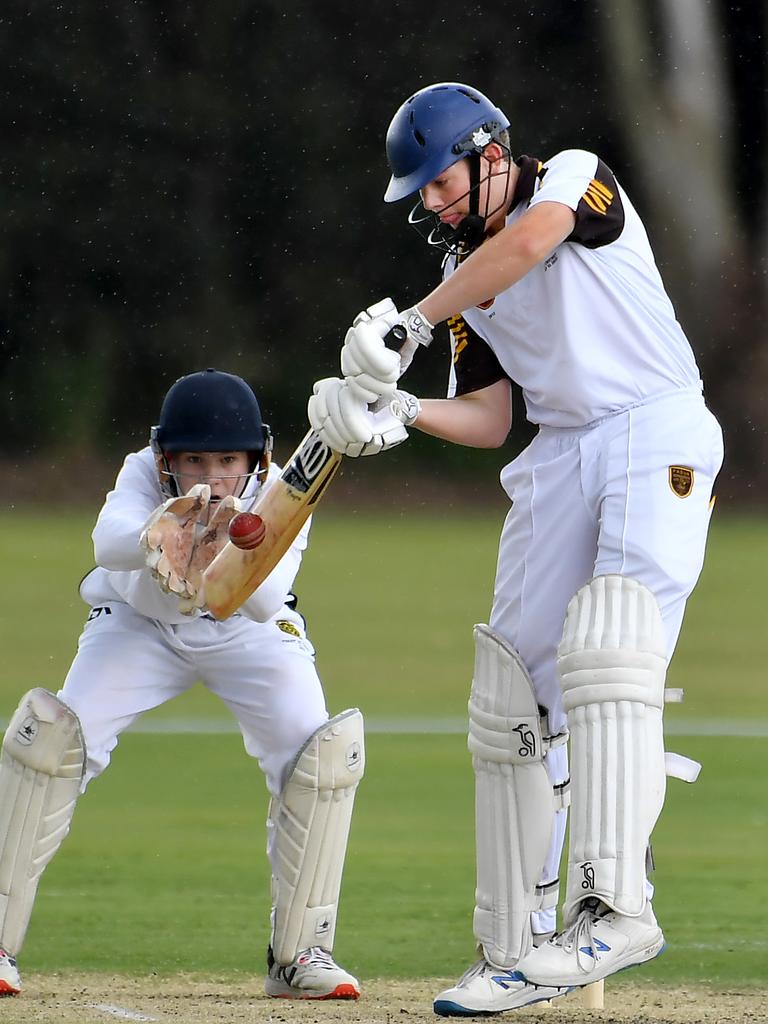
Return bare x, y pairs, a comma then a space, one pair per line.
612, 662
309, 828
42, 764
514, 800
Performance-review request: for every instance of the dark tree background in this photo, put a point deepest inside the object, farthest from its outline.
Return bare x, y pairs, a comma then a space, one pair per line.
188, 185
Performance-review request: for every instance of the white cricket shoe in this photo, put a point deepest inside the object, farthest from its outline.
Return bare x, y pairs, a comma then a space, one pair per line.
599, 943
485, 989
10, 979
313, 975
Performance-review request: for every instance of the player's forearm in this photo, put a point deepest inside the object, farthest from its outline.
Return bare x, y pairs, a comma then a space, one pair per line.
500, 262
480, 420
116, 543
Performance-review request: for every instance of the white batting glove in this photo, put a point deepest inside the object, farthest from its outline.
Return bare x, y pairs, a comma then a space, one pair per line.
388, 431
369, 367
405, 407
361, 358
385, 310
346, 424
339, 415
419, 332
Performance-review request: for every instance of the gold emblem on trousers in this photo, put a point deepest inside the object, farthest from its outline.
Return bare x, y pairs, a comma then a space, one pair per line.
681, 480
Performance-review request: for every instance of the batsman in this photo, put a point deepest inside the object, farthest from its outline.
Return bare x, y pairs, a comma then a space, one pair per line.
148, 638
549, 281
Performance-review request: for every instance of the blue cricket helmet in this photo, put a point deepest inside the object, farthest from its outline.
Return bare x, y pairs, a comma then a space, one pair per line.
435, 128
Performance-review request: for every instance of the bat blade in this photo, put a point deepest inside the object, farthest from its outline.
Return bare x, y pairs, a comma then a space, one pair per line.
234, 574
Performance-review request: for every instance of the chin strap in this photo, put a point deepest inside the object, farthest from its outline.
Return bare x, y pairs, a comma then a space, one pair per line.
471, 231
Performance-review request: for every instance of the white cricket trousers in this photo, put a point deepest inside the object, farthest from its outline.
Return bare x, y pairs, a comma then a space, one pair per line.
596, 500
127, 664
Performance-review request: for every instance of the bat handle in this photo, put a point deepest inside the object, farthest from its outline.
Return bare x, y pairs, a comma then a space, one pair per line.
396, 337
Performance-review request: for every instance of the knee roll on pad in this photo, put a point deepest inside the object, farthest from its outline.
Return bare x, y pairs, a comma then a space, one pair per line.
309, 825
42, 764
612, 663
514, 799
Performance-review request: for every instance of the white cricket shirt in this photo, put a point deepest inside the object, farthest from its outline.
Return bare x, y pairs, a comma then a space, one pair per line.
590, 330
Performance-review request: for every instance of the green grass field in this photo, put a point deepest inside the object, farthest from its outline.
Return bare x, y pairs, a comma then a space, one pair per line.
165, 867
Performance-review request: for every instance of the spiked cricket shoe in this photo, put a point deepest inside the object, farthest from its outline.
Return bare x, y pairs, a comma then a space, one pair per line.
599, 943
10, 979
485, 989
313, 975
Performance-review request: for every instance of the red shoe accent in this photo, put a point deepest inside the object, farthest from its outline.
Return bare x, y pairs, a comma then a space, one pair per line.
8, 990
340, 992
343, 992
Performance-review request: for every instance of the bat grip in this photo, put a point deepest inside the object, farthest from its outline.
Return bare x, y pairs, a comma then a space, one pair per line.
396, 337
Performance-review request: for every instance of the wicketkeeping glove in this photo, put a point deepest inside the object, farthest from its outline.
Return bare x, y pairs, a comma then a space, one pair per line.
210, 540
169, 538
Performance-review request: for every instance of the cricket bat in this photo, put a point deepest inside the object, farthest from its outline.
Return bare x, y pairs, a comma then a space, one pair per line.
285, 506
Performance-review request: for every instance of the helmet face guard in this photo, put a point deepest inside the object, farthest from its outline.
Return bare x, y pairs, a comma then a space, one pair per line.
210, 411
171, 487
471, 231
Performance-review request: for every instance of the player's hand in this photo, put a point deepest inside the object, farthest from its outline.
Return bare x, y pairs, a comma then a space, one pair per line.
210, 540
405, 407
368, 364
418, 332
388, 430
169, 537
385, 310
345, 423
370, 368
338, 414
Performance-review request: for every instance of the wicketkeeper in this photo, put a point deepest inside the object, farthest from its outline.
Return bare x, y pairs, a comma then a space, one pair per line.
549, 281
148, 638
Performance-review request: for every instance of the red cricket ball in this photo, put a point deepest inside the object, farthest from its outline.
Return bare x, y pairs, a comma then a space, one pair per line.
247, 530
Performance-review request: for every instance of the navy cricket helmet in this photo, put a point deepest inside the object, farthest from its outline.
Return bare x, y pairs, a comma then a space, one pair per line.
435, 128
210, 411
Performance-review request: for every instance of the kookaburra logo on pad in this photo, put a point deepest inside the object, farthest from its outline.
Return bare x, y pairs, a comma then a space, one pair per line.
589, 876
528, 740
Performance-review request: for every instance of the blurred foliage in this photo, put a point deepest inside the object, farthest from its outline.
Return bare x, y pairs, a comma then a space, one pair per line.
191, 185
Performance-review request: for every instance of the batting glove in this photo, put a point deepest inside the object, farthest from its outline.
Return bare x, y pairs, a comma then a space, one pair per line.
419, 332
369, 367
338, 415
405, 407
344, 422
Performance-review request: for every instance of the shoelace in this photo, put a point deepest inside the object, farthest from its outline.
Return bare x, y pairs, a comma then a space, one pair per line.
579, 934
473, 971
319, 957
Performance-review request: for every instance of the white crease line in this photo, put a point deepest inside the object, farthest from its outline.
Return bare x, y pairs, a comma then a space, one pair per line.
120, 1011
757, 728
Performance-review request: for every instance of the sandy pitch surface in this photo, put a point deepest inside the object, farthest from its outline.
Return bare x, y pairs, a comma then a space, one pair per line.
96, 999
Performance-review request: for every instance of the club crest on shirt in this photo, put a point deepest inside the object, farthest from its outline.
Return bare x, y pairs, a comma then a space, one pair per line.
681, 480
288, 627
